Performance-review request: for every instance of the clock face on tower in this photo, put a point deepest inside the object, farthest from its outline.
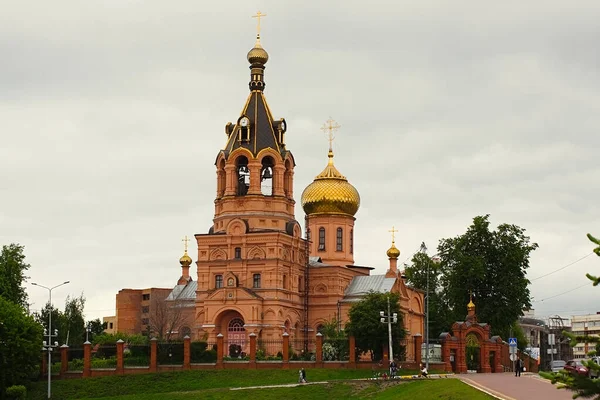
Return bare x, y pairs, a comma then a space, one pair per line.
244, 122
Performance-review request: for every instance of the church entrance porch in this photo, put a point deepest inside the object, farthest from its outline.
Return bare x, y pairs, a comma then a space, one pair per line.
230, 323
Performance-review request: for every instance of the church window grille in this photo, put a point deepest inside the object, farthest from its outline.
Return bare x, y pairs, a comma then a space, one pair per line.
339, 240
218, 281
351, 241
322, 239
238, 252
256, 281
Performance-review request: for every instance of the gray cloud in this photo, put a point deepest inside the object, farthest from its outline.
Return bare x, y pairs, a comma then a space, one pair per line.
112, 114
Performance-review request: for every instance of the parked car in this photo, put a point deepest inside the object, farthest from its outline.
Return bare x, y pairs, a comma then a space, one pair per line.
557, 365
594, 373
576, 367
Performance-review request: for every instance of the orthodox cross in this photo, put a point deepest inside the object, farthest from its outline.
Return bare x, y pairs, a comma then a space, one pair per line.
258, 16
393, 231
330, 127
185, 240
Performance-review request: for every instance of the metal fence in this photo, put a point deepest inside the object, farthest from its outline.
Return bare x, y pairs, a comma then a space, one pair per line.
170, 353
203, 352
104, 356
269, 349
75, 359
136, 355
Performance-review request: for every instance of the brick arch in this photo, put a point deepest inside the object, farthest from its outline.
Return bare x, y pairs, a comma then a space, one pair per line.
256, 253
218, 254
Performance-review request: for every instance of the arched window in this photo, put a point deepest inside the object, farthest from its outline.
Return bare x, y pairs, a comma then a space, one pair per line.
287, 178
339, 245
243, 176
285, 281
266, 176
238, 252
351, 241
322, 239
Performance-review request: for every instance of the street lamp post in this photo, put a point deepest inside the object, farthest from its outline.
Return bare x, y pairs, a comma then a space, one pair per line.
389, 319
47, 346
88, 329
435, 259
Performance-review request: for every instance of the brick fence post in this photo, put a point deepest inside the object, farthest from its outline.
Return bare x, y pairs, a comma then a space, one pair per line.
64, 359
286, 350
153, 354
352, 351
418, 340
87, 359
187, 354
120, 364
252, 350
319, 349
220, 351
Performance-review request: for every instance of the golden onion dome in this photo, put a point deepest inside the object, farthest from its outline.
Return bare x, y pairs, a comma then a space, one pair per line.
393, 251
185, 260
257, 55
330, 193
471, 305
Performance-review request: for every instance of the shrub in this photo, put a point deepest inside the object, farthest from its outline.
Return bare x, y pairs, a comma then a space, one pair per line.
234, 350
17, 392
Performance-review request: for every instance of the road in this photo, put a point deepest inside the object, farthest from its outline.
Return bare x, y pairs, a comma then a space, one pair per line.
506, 386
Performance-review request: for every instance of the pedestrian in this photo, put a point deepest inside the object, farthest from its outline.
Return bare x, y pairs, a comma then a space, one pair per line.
303, 374
518, 367
423, 369
393, 369
299, 376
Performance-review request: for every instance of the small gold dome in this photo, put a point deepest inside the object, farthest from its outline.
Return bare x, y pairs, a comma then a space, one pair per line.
330, 193
258, 55
471, 305
393, 251
185, 260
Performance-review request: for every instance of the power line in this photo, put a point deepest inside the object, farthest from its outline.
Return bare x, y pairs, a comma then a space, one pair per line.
560, 294
560, 269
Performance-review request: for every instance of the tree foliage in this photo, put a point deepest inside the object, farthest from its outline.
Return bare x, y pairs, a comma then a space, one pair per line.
20, 345
96, 327
370, 334
491, 264
12, 274
582, 386
70, 323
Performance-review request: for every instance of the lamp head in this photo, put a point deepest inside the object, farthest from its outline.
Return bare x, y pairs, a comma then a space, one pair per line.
381, 313
383, 320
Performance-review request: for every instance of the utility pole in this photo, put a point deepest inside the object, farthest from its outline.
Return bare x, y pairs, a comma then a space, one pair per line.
389, 319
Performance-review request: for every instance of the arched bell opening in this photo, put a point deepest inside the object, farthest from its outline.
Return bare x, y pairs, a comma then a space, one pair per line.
266, 176
243, 175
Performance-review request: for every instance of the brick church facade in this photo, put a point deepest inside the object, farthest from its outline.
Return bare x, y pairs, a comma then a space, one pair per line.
256, 270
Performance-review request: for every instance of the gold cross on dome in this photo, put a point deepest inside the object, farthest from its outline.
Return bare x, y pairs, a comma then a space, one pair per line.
393, 231
185, 240
330, 127
258, 16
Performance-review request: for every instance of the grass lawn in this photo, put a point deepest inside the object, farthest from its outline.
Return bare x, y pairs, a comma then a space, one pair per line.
215, 384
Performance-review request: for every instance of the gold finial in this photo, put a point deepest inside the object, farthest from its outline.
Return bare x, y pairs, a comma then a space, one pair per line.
258, 16
330, 127
393, 231
185, 240
471, 305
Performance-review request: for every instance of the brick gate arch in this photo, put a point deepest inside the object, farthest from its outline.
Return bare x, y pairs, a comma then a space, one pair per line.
474, 334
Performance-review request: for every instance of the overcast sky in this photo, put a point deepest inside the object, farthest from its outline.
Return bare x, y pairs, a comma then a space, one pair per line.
112, 113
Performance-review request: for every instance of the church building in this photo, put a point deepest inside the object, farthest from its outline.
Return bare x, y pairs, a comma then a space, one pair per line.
257, 271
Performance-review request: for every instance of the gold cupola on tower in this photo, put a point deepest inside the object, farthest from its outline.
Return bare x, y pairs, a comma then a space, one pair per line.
330, 192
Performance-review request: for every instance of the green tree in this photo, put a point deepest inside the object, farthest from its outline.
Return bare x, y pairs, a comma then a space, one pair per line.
12, 274
416, 276
491, 264
74, 321
581, 385
370, 334
20, 345
96, 327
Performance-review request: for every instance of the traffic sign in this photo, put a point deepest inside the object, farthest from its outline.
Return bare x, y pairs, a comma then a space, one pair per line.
513, 357
513, 350
512, 341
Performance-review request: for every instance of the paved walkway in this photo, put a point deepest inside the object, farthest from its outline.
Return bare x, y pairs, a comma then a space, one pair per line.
508, 387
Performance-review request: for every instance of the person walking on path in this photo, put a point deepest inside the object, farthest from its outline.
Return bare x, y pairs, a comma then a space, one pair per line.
303, 375
518, 367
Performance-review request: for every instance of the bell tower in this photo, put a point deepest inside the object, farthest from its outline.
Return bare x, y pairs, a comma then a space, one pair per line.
255, 170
